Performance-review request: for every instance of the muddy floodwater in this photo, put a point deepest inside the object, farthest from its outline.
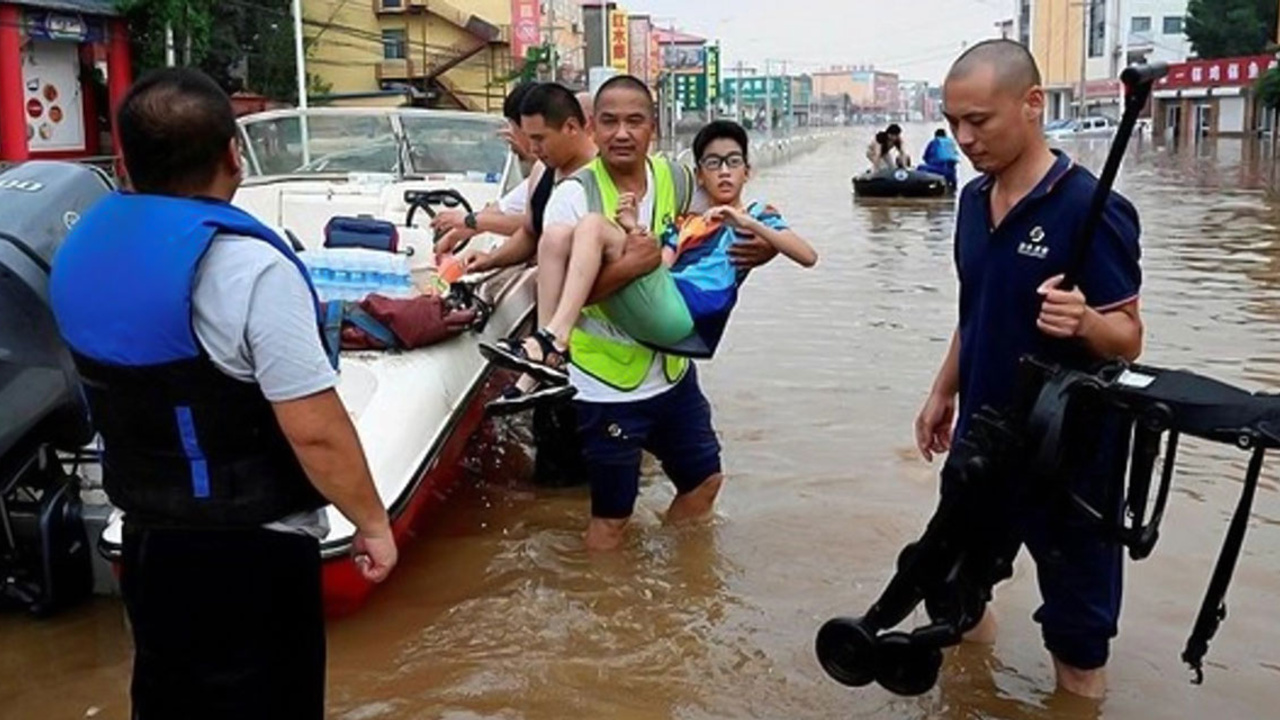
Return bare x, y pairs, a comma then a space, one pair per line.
496, 612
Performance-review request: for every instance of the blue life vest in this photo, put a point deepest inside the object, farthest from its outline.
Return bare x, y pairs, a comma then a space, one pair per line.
184, 443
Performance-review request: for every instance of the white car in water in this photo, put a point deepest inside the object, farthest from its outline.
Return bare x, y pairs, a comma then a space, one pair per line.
1095, 126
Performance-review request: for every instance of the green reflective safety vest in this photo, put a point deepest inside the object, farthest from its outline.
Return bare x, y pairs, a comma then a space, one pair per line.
597, 346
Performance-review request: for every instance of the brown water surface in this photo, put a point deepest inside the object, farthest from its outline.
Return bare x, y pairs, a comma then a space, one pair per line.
498, 613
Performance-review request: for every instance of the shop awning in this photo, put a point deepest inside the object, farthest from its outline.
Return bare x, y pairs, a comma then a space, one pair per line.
88, 7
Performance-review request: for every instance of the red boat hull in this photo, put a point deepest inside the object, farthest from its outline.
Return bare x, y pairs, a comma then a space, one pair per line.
345, 589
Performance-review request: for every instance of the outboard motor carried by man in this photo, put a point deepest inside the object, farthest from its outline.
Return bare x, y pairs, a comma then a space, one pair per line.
967, 547
44, 554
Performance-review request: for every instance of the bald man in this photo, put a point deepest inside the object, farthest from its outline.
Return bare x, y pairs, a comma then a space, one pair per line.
1015, 228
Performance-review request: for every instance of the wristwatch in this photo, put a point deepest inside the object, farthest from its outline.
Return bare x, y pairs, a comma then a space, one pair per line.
470, 220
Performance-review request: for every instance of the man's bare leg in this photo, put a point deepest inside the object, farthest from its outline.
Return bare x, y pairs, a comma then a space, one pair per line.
553, 264
1085, 683
595, 240
697, 503
605, 533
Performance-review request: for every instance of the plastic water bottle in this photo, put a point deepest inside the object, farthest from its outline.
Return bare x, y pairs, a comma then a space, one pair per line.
358, 267
387, 273
341, 276
321, 275
397, 282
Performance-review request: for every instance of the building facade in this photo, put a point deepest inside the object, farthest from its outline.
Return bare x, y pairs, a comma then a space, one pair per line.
1081, 46
1207, 99
913, 101
449, 53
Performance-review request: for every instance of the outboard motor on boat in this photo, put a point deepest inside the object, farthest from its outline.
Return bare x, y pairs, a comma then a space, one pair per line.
44, 552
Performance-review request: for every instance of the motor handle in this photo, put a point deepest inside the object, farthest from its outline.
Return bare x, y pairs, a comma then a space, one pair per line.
1138, 80
1137, 75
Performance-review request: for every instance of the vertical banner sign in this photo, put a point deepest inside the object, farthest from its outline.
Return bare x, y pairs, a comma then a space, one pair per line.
618, 48
526, 26
638, 46
713, 74
655, 59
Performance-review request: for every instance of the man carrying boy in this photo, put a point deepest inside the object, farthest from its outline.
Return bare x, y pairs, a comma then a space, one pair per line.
630, 397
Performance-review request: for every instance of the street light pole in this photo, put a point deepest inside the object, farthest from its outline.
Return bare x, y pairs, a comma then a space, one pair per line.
1084, 53
737, 94
551, 44
300, 62
768, 100
604, 34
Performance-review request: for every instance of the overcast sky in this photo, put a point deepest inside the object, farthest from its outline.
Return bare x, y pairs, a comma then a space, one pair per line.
916, 38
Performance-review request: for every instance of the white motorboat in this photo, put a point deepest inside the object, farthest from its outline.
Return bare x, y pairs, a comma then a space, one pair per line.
414, 410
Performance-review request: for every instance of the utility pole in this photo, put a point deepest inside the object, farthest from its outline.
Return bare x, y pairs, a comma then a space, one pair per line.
1084, 53
675, 103
768, 100
604, 34
737, 94
786, 97
551, 44
300, 62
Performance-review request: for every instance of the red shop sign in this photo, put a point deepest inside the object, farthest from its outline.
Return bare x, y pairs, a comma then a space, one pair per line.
1217, 73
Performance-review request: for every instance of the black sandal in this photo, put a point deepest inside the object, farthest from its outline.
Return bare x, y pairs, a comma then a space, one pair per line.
552, 367
514, 400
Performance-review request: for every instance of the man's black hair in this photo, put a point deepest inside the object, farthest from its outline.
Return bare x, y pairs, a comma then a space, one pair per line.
175, 125
555, 103
515, 99
939, 133
894, 129
630, 82
719, 130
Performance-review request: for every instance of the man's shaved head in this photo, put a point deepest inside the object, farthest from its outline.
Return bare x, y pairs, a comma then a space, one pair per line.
1014, 67
993, 100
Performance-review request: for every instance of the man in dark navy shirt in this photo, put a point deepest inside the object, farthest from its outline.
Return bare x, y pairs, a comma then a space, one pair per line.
1015, 228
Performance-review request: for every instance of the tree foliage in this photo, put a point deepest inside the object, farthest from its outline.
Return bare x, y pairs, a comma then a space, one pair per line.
1230, 28
242, 44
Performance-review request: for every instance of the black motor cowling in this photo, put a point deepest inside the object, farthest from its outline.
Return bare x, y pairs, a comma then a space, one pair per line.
44, 551
40, 396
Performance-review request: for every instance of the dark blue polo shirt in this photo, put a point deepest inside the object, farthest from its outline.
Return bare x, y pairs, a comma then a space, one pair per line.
1000, 269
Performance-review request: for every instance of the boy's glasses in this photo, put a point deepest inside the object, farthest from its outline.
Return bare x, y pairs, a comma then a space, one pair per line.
712, 163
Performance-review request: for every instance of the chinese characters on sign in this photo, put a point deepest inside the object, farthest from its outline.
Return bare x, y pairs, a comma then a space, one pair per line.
691, 91
526, 26
618, 46
639, 47
713, 73
655, 59
1222, 71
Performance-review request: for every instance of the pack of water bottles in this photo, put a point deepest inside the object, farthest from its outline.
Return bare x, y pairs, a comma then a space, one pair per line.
354, 273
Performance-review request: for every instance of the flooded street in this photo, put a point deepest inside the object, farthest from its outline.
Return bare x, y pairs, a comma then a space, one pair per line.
497, 612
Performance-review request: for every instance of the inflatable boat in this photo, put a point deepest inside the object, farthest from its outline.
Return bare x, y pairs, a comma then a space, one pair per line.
899, 183
414, 410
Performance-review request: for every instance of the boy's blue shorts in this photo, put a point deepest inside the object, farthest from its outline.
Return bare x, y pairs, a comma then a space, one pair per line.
674, 426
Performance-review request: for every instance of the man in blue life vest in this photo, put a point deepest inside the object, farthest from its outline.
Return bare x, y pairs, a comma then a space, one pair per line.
941, 157
197, 334
1016, 226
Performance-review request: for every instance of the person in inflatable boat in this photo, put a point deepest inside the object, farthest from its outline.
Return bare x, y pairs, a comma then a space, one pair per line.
941, 157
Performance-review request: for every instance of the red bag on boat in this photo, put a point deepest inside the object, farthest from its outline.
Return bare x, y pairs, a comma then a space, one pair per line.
401, 324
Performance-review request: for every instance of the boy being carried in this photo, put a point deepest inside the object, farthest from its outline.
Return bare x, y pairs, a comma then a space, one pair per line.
682, 306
